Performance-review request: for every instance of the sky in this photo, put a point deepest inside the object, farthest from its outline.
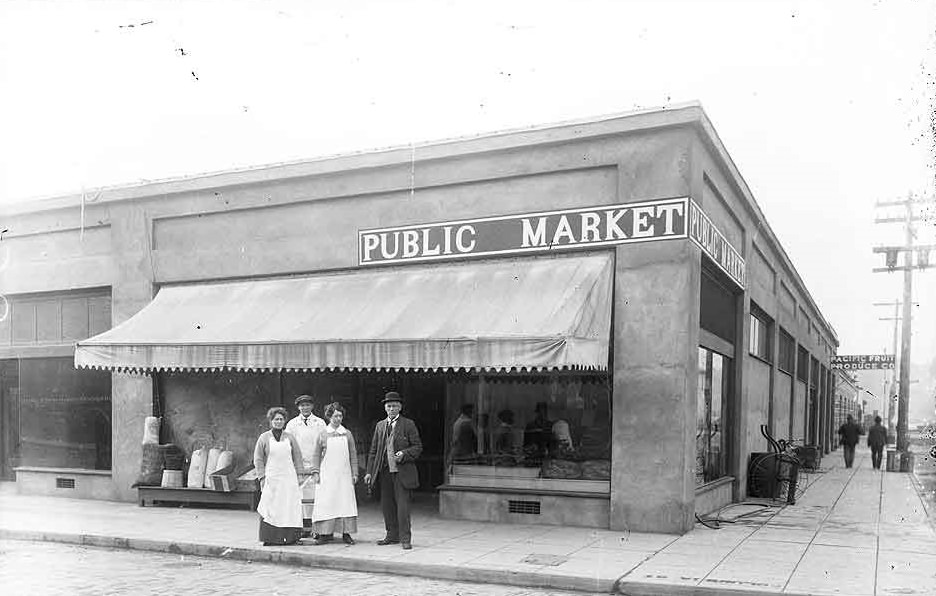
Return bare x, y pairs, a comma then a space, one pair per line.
826, 107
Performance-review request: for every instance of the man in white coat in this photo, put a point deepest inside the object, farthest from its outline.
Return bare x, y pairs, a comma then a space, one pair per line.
306, 427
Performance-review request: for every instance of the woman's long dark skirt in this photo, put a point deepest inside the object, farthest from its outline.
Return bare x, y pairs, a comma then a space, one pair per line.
270, 535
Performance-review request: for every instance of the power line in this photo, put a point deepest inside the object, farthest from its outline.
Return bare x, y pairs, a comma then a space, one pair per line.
891, 254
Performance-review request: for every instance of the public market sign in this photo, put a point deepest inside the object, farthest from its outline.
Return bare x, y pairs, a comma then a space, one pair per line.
647, 221
863, 362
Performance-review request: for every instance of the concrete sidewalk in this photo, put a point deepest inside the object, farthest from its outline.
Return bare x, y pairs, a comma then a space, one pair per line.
856, 531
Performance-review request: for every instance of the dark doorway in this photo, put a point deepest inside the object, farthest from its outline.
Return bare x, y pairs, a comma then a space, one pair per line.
361, 393
9, 417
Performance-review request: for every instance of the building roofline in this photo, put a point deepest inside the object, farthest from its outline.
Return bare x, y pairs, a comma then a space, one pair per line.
595, 126
742, 187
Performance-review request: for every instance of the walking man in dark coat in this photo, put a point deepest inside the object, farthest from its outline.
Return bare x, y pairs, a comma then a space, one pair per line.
877, 439
392, 461
848, 437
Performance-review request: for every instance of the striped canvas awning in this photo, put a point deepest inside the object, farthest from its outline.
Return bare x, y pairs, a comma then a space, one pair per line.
531, 314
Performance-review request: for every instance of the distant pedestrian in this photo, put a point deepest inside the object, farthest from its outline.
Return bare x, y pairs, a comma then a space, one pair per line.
278, 462
392, 459
877, 439
848, 438
335, 466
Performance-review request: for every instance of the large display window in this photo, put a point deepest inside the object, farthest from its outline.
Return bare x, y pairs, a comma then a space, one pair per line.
64, 415
546, 431
710, 406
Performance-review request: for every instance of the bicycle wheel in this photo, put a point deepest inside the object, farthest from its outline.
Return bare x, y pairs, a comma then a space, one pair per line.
805, 477
762, 476
788, 478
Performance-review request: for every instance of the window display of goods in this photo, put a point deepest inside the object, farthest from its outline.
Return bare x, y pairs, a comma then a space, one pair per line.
171, 479
596, 469
151, 430
197, 466
561, 468
225, 463
211, 465
151, 466
173, 456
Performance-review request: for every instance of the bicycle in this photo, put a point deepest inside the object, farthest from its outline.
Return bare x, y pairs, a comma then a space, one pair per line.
780, 474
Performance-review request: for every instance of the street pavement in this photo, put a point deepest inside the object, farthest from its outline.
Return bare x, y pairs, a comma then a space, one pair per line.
47, 569
854, 531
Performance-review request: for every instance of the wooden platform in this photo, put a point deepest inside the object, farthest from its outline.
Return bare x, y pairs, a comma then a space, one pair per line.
157, 495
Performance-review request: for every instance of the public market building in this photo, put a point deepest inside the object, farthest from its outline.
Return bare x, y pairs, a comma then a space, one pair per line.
588, 321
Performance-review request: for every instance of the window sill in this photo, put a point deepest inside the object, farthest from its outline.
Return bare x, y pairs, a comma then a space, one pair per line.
526, 491
760, 359
72, 471
488, 481
714, 484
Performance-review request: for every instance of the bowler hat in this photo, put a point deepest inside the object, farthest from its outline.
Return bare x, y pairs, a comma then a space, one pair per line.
303, 398
392, 396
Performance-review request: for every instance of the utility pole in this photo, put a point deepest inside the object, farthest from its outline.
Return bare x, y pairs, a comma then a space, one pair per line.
922, 263
889, 395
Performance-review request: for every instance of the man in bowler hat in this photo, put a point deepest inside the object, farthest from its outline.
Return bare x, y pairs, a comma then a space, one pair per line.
392, 462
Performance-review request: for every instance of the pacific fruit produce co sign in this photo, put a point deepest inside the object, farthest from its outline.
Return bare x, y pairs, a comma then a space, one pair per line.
647, 221
863, 362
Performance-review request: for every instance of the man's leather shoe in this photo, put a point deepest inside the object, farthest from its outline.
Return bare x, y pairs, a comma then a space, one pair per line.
407, 546
386, 541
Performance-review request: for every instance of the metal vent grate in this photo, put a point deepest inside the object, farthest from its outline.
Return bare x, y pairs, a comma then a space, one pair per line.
527, 507
64, 483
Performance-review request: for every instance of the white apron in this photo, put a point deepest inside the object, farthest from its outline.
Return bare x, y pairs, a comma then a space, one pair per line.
280, 501
335, 493
307, 437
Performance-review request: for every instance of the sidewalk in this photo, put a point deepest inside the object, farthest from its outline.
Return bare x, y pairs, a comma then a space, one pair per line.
856, 532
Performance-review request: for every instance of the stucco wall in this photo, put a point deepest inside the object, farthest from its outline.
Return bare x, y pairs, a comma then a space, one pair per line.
783, 394
799, 412
773, 286
655, 378
756, 404
57, 260
241, 233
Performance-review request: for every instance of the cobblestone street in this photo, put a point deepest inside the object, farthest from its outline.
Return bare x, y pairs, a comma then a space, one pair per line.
34, 569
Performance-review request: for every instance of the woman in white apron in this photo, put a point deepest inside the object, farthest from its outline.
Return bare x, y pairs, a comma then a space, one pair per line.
279, 462
335, 466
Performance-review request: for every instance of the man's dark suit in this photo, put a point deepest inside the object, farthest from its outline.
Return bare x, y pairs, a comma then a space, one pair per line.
395, 487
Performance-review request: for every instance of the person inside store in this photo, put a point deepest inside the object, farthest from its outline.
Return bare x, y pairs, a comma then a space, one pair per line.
464, 437
538, 435
335, 469
391, 461
508, 440
877, 439
848, 438
278, 462
307, 428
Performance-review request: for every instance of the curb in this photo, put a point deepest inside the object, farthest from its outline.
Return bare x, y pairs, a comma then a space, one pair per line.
487, 575
657, 589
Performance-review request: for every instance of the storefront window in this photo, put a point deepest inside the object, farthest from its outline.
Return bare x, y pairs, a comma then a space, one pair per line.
786, 360
553, 426
64, 415
710, 435
760, 335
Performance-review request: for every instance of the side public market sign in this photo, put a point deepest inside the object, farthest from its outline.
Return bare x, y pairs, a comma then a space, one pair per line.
863, 362
568, 229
